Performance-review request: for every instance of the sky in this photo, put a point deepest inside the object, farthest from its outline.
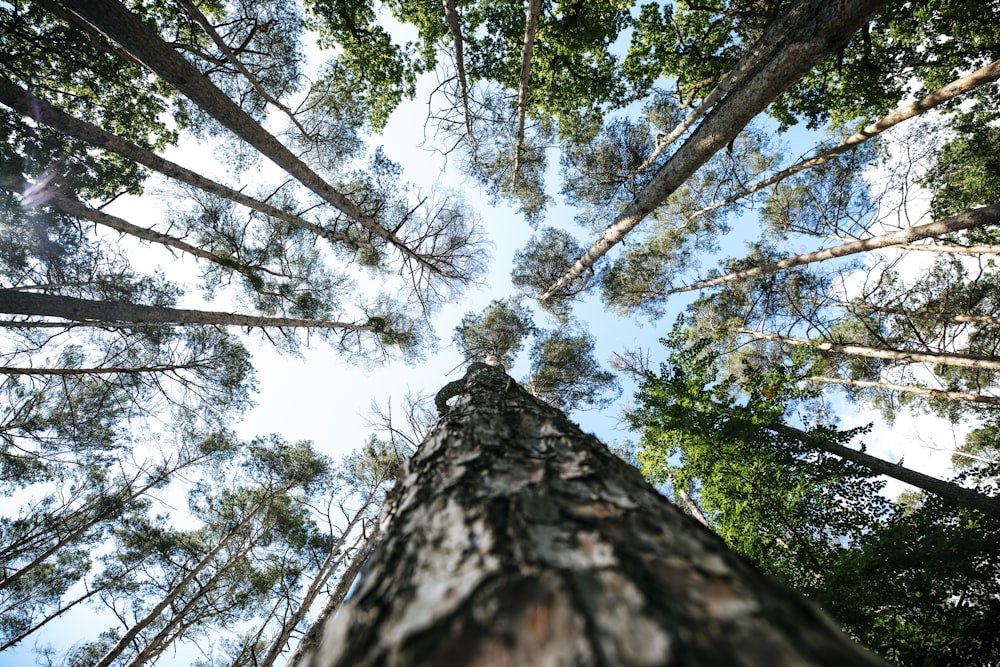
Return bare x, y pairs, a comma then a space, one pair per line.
321, 397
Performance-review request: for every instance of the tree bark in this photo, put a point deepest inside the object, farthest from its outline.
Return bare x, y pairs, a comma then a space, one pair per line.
983, 399
936, 316
451, 15
516, 539
20, 100
977, 217
943, 358
15, 302
809, 31
57, 198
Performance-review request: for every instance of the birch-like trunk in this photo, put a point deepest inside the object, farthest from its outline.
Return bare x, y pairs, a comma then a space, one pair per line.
807, 32
984, 399
977, 217
516, 539
908, 356
946, 93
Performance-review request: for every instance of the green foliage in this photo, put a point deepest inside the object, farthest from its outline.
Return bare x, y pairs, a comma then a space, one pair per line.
565, 373
780, 501
966, 173
923, 588
376, 72
497, 333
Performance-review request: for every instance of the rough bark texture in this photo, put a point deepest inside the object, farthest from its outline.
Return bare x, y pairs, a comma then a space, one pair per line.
808, 32
516, 539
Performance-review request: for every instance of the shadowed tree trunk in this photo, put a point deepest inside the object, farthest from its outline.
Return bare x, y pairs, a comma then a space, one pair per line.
516, 539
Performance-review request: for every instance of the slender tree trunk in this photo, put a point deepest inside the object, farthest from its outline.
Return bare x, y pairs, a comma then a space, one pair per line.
328, 567
126, 496
15, 302
133, 632
530, 29
198, 17
57, 198
948, 318
126, 29
451, 15
163, 638
960, 86
978, 217
951, 248
337, 596
952, 493
19, 99
515, 539
807, 32
943, 358
983, 399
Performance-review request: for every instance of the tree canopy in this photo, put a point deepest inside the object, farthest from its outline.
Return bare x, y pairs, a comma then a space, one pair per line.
188, 186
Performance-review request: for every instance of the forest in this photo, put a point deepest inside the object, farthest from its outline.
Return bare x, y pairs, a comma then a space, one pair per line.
792, 205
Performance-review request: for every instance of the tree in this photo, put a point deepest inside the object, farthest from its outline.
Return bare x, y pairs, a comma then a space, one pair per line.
516, 536
563, 369
786, 51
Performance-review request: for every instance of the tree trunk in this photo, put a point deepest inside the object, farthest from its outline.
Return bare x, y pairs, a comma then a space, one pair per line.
530, 28
133, 632
983, 399
943, 358
14, 302
948, 491
20, 100
126, 29
807, 32
977, 217
936, 316
451, 14
516, 539
330, 564
959, 86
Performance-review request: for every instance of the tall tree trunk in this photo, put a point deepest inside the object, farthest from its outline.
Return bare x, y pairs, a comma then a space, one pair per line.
14, 302
196, 15
167, 634
451, 15
20, 100
516, 539
530, 29
977, 217
126, 29
950, 492
984, 399
960, 86
944, 358
807, 32
330, 564
123, 642
936, 316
